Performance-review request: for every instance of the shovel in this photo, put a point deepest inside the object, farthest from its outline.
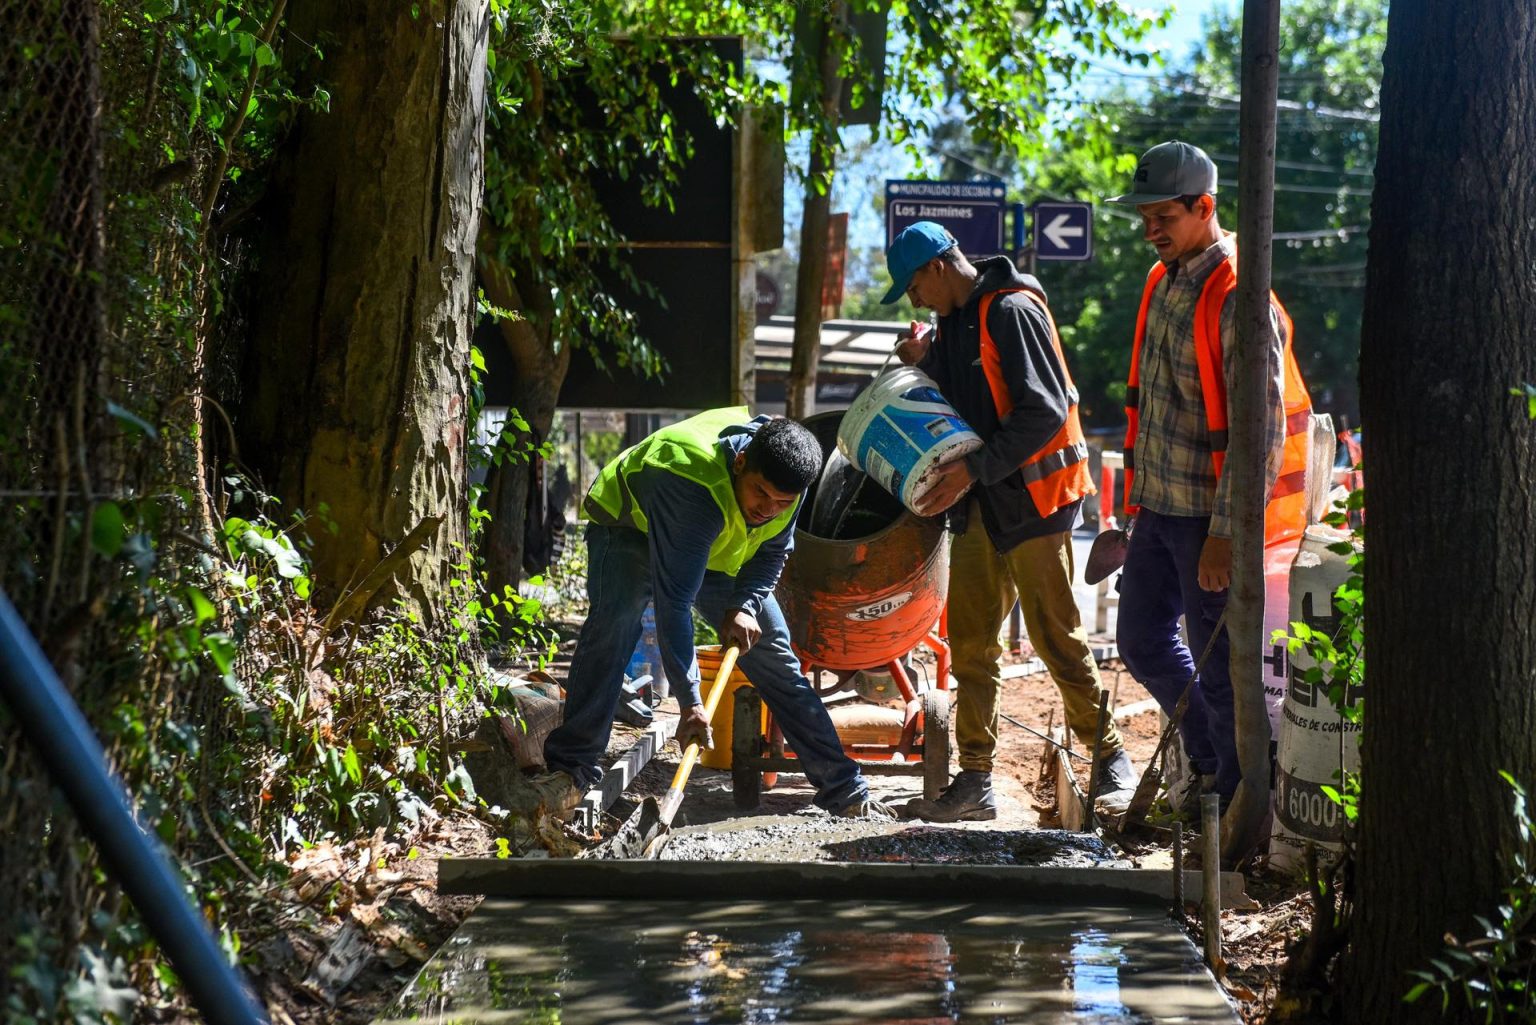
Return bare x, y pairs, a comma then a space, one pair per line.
1107, 554
642, 833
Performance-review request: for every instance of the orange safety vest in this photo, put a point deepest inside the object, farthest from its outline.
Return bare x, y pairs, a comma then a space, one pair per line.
1285, 514
1057, 475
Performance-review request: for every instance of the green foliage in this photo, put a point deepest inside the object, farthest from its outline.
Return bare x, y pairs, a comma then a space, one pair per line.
244, 718
572, 105
1330, 72
1491, 974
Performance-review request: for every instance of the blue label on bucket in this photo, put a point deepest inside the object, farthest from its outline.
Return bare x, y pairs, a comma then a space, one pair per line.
899, 438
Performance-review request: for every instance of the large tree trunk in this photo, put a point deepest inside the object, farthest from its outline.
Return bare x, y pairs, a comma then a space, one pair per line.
357, 375
1451, 460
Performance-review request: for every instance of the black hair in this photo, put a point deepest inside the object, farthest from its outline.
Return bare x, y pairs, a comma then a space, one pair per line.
1190, 200
952, 255
786, 454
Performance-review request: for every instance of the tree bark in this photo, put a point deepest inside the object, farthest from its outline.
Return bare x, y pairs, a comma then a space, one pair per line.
540, 372
1242, 826
357, 374
1451, 458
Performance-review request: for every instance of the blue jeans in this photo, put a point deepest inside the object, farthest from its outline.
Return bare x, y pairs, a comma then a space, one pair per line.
618, 588
1160, 582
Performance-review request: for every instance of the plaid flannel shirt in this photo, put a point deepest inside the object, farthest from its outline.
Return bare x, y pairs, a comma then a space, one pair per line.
1174, 472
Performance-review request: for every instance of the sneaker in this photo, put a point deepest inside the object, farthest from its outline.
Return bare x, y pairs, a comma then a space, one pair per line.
556, 792
968, 798
1117, 784
868, 808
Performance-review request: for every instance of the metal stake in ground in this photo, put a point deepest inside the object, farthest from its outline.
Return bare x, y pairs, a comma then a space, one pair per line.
1090, 813
1210, 904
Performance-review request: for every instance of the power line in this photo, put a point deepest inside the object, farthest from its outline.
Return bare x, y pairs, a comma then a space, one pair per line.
1280, 104
1316, 190
1295, 165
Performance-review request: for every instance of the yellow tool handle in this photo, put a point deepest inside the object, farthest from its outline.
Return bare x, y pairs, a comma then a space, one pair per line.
691, 753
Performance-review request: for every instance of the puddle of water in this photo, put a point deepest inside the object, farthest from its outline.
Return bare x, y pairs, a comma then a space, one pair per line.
613, 962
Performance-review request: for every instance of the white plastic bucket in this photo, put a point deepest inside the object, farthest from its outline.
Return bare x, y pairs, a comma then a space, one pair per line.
1315, 741
900, 429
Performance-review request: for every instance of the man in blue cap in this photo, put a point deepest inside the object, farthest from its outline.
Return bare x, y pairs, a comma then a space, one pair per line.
997, 359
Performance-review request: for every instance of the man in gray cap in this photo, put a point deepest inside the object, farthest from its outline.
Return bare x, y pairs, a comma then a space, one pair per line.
1180, 557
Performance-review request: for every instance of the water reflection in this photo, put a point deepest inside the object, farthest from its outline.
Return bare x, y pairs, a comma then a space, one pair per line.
801, 961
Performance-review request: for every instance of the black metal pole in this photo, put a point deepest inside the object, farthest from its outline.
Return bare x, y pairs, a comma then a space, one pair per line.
78, 766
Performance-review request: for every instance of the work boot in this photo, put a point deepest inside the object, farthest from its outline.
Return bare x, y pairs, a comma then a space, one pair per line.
1117, 784
868, 808
968, 798
556, 792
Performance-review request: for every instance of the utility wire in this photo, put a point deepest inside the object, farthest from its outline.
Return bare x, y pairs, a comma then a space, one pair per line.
1296, 165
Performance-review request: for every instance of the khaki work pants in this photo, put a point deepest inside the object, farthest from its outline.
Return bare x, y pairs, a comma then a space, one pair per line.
982, 587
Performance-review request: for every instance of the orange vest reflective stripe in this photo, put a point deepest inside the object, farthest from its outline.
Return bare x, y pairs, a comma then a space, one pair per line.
1285, 514
1057, 475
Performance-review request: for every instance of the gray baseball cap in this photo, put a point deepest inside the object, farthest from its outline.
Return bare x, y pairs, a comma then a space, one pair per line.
1168, 171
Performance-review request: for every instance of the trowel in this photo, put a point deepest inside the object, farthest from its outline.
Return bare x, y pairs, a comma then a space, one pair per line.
1107, 554
644, 832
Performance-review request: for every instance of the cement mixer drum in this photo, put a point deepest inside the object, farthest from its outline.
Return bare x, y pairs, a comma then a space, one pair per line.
859, 602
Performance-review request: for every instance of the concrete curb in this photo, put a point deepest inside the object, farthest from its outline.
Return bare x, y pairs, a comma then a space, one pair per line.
821, 880
623, 771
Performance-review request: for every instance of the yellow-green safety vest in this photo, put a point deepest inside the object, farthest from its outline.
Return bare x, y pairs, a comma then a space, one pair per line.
692, 450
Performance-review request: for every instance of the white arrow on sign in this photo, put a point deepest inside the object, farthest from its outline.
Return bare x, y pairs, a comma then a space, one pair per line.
1058, 232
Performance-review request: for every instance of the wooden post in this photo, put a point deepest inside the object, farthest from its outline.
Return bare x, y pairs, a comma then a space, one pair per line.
744, 264
827, 25
1249, 408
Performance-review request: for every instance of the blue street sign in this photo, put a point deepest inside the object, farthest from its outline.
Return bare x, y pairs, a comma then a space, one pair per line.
1064, 231
972, 211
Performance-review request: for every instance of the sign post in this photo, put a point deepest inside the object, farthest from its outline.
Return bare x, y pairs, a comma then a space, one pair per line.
971, 211
1064, 231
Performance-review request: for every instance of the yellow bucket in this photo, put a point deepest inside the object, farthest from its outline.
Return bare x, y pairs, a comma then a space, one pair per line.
719, 756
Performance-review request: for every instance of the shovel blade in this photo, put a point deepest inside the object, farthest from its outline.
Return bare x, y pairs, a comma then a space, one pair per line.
1106, 555
637, 837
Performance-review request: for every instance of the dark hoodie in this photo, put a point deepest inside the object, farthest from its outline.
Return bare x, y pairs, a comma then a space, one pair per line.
1022, 334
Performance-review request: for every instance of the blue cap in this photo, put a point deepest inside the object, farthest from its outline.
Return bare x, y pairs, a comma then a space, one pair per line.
916, 245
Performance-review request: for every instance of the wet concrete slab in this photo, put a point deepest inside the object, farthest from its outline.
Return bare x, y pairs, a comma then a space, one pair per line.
819, 837
613, 962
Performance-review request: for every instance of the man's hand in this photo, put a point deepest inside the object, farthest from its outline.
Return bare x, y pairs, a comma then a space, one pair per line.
913, 346
694, 727
951, 481
1216, 564
739, 628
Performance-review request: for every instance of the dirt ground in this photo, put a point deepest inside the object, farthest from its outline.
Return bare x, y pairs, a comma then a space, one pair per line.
361, 918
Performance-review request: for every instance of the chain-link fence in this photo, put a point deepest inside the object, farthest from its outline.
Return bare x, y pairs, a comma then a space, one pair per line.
100, 305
